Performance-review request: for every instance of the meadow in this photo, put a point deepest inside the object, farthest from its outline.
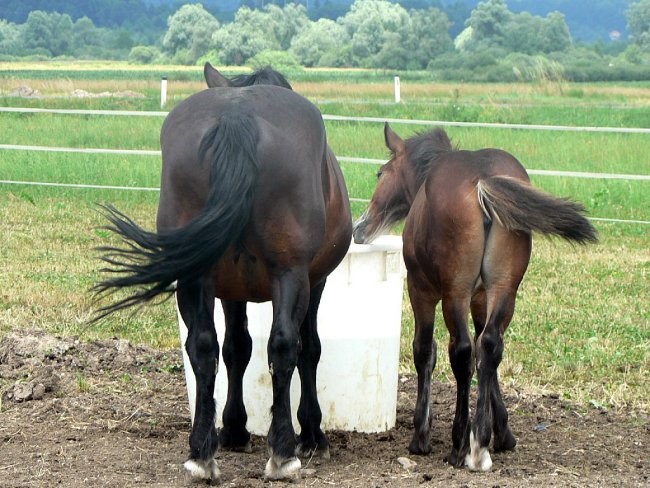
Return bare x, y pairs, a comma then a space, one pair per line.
582, 325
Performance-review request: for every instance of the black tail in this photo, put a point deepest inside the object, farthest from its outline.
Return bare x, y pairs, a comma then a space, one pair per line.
519, 206
151, 262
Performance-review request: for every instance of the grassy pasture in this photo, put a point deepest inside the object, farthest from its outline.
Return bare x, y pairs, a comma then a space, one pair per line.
590, 152
582, 325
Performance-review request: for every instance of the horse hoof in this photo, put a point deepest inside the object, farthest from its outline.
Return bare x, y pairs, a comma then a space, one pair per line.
478, 458
279, 469
199, 469
480, 461
236, 440
455, 459
247, 448
506, 443
322, 452
419, 448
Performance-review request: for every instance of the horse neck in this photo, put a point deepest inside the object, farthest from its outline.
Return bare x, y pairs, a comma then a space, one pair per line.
412, 181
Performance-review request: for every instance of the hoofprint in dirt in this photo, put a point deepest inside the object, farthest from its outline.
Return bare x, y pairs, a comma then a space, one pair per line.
107, 413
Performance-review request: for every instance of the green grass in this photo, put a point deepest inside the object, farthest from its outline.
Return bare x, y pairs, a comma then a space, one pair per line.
582, 324
589, 152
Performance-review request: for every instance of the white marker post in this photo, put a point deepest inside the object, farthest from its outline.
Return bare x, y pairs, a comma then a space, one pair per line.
163, 91
397, 90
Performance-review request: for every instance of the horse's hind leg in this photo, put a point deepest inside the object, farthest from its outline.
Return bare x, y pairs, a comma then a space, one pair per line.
504, 265
196, 305
290, 303
423, 302
503, 438
236, 349
311, 440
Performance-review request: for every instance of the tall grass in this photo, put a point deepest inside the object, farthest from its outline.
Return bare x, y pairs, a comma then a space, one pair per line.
582, 322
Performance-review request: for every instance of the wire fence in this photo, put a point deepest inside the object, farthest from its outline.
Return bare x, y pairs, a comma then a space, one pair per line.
346, 159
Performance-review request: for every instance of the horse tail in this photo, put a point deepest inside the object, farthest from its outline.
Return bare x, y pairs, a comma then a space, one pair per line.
152, 262
518, 206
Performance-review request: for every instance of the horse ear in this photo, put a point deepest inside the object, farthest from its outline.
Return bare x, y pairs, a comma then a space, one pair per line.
393, 141
213, 78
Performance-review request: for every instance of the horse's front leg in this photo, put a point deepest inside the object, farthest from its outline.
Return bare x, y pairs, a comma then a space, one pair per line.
196, 305
237, 348
290, 302
423, 303
311, 440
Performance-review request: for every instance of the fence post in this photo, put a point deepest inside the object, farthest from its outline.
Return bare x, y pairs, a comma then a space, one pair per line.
163, 91
397, 90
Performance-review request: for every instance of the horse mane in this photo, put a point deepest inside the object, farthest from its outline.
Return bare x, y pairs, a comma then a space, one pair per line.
262, 76
425, 148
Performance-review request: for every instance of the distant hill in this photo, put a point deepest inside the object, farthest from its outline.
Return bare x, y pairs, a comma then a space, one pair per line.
589, 20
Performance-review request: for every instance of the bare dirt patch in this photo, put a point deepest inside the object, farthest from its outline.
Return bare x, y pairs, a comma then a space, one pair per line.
110, 414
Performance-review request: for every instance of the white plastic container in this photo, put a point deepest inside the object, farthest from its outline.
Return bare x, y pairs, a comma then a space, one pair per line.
359, 322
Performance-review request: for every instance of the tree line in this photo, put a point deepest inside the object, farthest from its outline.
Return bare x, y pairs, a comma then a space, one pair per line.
495, 44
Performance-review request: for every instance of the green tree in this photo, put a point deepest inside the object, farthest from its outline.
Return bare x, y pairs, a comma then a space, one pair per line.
286, 22
282, 61
48, 33
249, 33
489, 22
638, 22
86, 38
428, 37
143, 54
555, 33
190, 32
531, 34
10, 35
522, 34
322, 43
371, 24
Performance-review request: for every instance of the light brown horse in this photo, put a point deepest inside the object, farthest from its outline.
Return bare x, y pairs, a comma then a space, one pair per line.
466, 241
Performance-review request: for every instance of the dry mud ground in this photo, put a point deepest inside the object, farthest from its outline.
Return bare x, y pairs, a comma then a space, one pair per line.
109, 414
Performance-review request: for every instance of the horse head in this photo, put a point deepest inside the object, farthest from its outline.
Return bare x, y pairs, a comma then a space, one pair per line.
262, 76
394, 193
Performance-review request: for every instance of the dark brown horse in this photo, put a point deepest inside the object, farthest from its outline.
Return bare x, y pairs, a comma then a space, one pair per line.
466, 241
253, 207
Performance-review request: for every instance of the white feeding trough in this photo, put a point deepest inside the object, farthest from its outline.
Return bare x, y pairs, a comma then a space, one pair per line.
359, 322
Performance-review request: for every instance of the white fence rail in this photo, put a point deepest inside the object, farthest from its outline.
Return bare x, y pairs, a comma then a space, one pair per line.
570, 128
344, 159
144, 152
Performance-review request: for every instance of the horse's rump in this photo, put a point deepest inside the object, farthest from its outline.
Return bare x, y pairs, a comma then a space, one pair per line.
259, 154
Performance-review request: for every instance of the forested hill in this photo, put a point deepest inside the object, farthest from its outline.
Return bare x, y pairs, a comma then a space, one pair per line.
113, 13
103, 13
588, 20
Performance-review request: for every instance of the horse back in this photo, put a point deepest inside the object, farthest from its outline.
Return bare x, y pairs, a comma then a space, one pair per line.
300, 212
445, 231
449, 191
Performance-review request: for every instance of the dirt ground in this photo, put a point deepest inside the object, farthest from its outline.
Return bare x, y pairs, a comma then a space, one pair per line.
109, 414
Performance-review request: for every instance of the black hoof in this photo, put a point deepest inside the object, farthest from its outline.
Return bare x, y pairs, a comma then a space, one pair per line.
313, 445
238, 441
419, 447
456, 458
505, 442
